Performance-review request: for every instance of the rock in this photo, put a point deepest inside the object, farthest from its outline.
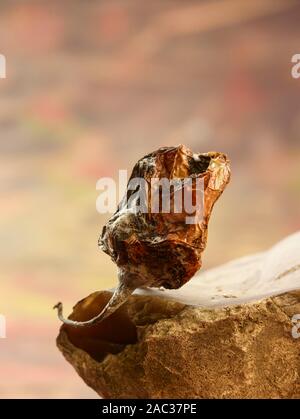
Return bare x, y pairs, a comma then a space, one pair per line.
159, 348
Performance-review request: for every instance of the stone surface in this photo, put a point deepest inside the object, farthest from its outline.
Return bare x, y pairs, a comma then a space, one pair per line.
154, 348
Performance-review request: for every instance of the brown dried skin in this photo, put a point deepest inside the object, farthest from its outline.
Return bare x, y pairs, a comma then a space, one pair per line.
160, 249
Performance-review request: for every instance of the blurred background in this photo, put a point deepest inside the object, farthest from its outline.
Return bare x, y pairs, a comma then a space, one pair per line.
93, 86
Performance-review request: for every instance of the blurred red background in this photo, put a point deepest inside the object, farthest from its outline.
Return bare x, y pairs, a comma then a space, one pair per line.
93, 86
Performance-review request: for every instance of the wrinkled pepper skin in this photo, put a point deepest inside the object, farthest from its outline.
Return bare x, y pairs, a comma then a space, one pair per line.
161, 249
154, 246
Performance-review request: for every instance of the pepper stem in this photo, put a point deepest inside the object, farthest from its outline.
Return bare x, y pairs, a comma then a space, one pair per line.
120, 295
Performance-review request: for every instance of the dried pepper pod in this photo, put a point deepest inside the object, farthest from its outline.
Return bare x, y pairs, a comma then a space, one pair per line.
155, 240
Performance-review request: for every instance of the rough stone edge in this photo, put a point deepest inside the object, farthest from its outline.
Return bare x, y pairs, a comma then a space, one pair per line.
129, 365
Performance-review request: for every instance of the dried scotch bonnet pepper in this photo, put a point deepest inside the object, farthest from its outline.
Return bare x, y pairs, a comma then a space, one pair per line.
153, 237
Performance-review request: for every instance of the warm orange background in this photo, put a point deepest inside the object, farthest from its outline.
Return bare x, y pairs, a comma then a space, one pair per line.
93, 86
